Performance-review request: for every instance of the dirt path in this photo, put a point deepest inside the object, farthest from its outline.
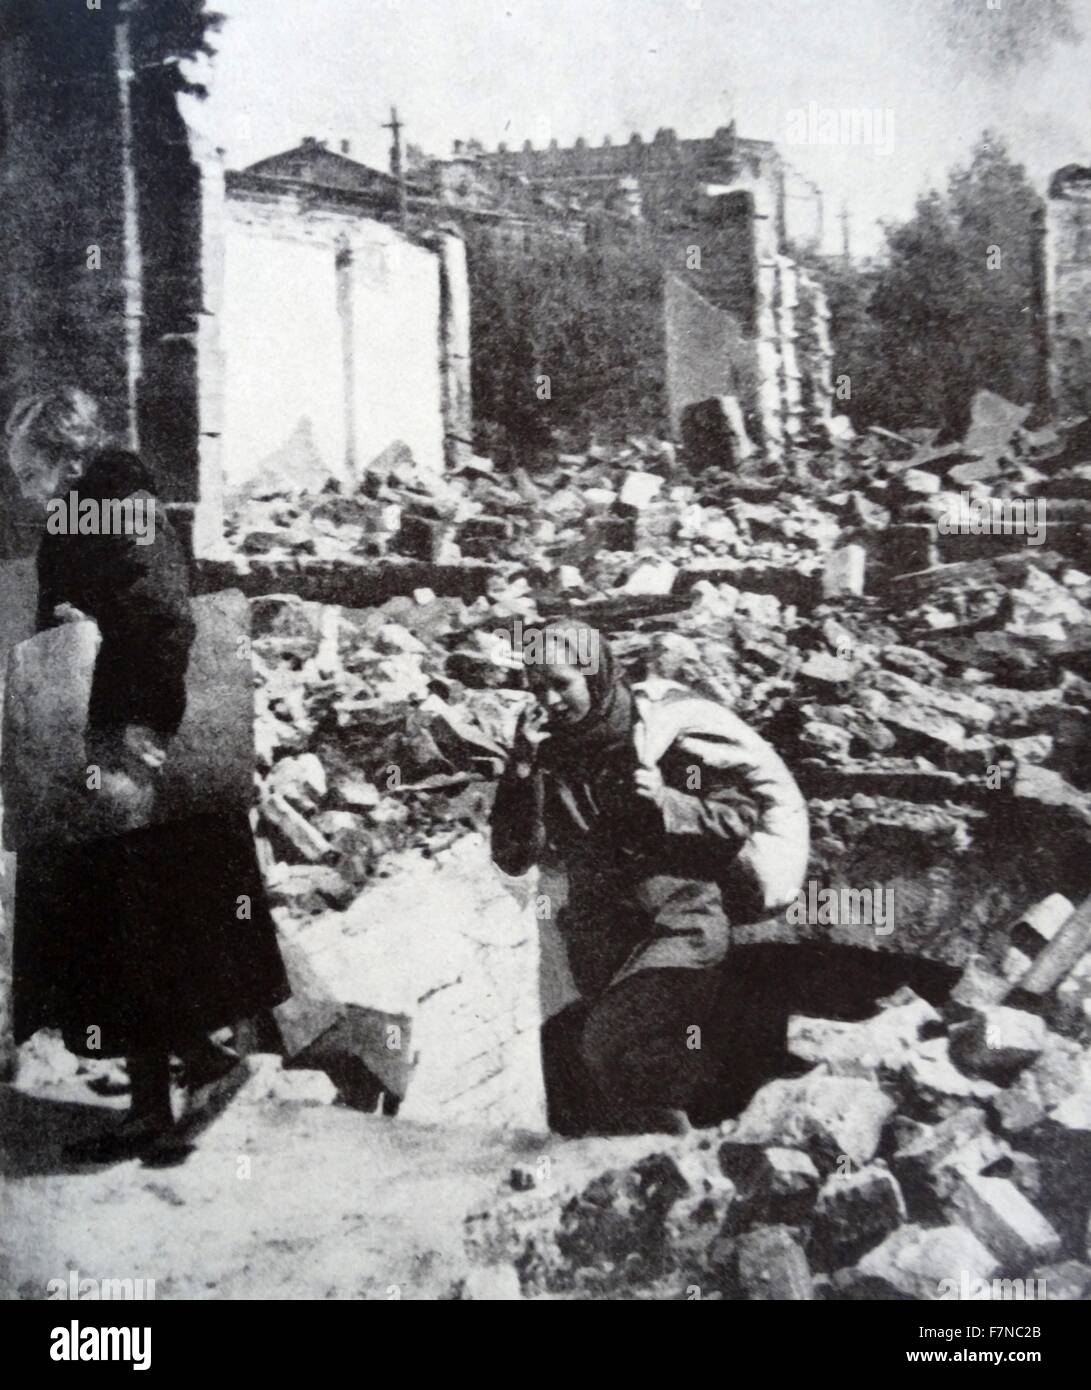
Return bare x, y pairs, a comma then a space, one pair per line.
278, 1199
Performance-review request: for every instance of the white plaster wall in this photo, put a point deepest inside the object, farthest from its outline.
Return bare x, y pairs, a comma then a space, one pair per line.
283, 344
396, 313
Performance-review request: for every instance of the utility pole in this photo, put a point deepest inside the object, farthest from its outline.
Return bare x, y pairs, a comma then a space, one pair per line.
819, 217
397, 168
846, 235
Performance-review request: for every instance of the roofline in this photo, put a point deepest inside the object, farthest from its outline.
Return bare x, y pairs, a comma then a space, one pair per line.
320, 149
241, 181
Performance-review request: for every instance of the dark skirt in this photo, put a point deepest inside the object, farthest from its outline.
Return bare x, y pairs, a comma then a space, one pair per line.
144, 941
659, 922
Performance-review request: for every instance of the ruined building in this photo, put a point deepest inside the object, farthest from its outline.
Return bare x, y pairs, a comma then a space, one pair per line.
740, 316
233, 323
368, 324
231, 330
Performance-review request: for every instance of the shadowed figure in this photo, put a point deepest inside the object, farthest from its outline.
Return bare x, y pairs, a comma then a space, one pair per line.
131, 945
668, 816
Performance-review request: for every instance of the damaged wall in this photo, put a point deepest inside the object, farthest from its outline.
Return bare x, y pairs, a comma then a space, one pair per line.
751, 324
739, 317
1068, 261
108, 237
334, 326
707, 353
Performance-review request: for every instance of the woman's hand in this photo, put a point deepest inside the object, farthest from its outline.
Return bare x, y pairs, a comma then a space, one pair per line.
126, 803
128, 761
529, 736
143, 745
650, 784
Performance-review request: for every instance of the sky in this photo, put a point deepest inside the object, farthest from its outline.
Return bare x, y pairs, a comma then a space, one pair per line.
784, 69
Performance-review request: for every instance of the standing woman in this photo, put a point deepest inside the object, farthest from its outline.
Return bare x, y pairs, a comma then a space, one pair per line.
670, 817
131, 945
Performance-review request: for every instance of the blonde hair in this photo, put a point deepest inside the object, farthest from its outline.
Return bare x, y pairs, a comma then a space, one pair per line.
62, 422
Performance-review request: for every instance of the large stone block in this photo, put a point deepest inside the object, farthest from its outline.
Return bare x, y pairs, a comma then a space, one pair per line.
832, 1117
1003, 1220
853, 1213
929, 1265
445, 1016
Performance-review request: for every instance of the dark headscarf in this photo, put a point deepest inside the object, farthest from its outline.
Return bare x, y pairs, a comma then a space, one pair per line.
591, 765
575, 750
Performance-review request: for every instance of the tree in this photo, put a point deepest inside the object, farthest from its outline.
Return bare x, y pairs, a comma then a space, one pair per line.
566, 336
169, 32
951, 308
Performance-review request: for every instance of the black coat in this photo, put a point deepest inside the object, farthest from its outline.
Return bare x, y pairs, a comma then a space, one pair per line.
137, 593
640, 896
145, 940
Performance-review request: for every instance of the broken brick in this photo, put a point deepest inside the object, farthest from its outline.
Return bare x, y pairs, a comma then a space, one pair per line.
772, 1266
926, 1264
1040, 924
1003, 1220
844, 573
853, 1213
995, 1042
774, 1185
928, 1163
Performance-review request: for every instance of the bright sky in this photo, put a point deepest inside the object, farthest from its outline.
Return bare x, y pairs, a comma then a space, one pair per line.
517, 69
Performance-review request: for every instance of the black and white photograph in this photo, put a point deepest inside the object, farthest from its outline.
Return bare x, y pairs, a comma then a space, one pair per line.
545, 665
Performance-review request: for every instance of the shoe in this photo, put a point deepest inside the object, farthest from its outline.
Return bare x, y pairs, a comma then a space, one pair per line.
215, 1089
133, 1138
208, 1064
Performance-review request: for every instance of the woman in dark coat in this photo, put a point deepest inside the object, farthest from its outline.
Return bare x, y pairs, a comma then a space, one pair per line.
131, 945
666, 814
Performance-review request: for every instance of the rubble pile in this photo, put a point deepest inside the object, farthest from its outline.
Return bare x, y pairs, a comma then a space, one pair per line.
934, 713
366, 745
920, 658
917, 1155
935, 708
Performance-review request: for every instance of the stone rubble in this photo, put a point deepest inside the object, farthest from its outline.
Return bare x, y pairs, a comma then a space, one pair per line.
826, 1187
930, 684
929, 687
812, 602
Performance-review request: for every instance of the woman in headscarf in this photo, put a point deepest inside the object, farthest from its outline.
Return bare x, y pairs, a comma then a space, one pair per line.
670, 817
132, 944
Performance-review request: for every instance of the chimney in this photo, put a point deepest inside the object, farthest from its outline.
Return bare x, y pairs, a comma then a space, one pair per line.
346, 147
